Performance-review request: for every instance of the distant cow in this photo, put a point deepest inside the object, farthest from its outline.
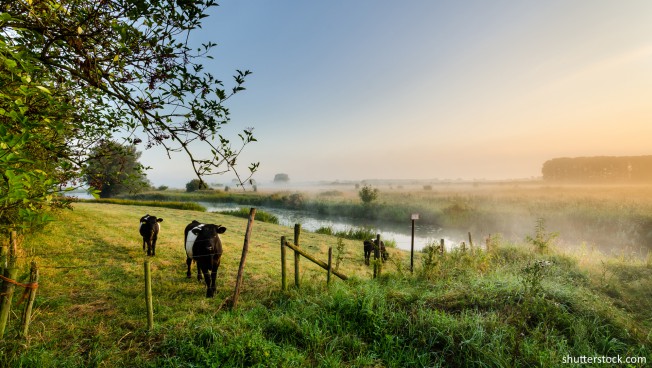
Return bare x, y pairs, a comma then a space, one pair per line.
203, 245
369, 246
149, 229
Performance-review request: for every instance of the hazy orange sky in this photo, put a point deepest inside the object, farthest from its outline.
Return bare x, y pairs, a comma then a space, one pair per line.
370, 89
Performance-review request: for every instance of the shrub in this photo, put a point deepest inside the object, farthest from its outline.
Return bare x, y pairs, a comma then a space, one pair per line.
194, 185
368, 194
542, 240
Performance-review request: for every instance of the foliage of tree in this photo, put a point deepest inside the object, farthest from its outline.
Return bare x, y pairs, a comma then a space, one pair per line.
33, 132
75, 72
194, 185
281, 178
114, 169
368, 194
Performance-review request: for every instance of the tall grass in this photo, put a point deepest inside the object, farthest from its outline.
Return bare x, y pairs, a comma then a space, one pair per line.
244, 213
508, 306
351, 233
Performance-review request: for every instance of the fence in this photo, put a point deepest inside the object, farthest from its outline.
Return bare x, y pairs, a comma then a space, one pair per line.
8, 283
298, 252
8, 272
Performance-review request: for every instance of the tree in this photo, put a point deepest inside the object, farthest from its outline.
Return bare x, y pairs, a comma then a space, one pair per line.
195, 184
114, 169
75, 72
32, 134
281, 178
368, 194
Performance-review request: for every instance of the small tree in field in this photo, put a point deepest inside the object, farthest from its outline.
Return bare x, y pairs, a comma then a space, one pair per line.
195, 184
368, 194
113, 169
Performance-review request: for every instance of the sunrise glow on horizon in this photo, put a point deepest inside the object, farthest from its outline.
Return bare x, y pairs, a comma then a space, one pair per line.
419, 89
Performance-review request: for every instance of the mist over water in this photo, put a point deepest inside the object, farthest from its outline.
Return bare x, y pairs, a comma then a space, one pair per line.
401, 234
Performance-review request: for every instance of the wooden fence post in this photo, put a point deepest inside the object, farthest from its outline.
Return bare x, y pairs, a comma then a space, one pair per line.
316, 261
148, 296
297, 256
470, 242
4, 255
7, 291
284, 283
441, 247
243, 258
27, 313
330, 265
377, 263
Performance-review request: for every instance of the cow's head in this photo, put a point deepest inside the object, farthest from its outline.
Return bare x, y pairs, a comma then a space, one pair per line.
208, 236
150, 220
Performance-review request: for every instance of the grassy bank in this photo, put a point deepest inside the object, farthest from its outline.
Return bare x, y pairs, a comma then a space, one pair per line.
508, 306
607, 217
164, 204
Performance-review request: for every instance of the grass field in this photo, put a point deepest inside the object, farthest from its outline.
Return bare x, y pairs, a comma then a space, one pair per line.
508, 306
614, 219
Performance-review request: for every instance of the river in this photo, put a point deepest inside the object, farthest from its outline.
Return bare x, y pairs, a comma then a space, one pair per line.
401, 234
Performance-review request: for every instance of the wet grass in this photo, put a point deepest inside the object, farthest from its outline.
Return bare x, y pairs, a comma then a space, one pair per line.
508, 306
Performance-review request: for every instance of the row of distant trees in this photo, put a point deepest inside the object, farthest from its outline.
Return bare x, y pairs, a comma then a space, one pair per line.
599, 169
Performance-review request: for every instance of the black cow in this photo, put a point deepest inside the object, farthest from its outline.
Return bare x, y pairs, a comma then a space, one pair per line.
203, 245
369, 246
149, 228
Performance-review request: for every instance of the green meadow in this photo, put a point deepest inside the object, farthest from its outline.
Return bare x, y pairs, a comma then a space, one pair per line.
509, 304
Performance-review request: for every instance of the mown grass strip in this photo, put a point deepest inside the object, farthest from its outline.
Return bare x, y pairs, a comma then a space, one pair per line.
189, 206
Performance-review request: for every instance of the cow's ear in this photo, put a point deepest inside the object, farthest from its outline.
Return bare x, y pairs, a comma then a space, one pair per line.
159, 220
196, 231
221, 229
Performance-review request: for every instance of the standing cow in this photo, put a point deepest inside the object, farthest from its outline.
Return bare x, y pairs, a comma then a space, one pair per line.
149, 229
369, 246
203, 245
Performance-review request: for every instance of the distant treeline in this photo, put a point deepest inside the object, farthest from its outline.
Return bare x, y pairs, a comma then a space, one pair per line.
599, 169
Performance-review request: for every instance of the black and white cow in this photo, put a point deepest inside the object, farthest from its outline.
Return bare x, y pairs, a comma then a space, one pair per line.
369, 246
149, 229
203, 245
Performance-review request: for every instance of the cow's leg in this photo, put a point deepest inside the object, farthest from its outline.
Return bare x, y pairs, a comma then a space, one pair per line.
188, 263
143, 244
198, 271
215, 265
207, 280
154, 244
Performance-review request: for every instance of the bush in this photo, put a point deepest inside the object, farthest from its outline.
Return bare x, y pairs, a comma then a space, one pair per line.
194, 185
368, 194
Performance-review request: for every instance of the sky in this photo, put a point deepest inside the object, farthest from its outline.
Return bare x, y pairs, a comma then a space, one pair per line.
419, 89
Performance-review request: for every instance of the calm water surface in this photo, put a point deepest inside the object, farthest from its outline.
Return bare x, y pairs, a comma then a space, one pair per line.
401, 234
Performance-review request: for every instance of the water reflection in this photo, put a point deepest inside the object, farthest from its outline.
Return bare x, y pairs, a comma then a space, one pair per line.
401, 234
